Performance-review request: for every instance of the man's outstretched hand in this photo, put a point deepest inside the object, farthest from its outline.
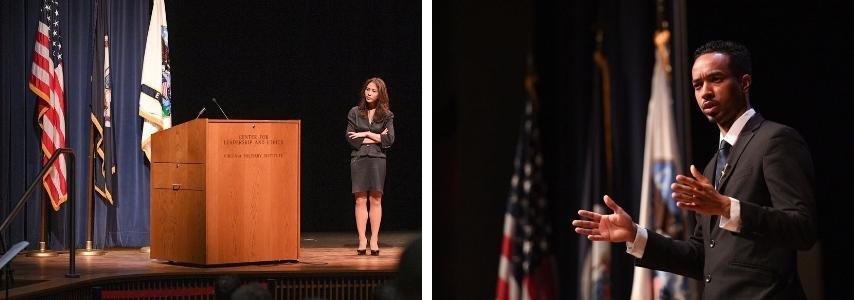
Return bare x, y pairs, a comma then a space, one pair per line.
616, 228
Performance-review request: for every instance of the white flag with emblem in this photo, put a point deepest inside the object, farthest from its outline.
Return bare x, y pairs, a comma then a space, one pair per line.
155, 98
661, 163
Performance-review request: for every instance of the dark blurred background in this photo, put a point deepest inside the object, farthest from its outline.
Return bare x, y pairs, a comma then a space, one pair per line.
801, 71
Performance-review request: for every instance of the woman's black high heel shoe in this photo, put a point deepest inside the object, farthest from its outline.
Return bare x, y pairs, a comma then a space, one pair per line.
362, 251
375, 252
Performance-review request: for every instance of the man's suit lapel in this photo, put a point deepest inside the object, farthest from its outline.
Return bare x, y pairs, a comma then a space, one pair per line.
743, 141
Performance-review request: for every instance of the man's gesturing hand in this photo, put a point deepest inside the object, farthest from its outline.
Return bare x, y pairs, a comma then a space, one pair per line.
616, 227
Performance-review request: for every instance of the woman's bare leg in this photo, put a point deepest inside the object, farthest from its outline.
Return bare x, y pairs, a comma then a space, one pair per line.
362, 217
376, 218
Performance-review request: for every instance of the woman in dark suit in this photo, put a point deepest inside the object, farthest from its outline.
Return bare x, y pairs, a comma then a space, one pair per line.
370, 131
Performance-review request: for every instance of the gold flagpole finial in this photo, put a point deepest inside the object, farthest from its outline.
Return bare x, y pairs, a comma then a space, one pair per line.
531, 81
662, 38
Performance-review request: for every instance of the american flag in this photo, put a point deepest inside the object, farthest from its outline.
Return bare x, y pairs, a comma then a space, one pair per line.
46, 81
526, 267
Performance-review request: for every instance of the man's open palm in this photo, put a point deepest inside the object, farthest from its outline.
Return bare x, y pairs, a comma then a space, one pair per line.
617, 227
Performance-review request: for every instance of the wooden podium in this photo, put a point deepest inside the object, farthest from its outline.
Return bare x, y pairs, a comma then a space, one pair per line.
226, 191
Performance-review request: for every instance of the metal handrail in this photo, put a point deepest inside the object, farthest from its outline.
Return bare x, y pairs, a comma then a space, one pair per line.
71, 241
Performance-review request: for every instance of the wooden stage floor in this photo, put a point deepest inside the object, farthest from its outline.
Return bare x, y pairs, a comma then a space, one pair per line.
319, 253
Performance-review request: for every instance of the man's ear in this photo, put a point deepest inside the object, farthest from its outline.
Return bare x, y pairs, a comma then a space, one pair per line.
746, 80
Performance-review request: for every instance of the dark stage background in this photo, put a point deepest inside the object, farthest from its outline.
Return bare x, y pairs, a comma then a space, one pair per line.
801, 55
260, 60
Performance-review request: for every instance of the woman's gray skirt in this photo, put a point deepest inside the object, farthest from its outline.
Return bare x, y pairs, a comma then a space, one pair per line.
367, 173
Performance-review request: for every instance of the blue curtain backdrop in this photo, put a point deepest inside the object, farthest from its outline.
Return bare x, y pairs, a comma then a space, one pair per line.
125, 224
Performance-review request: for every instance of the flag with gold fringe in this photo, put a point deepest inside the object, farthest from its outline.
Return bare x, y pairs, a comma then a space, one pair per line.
101, 116
47, 82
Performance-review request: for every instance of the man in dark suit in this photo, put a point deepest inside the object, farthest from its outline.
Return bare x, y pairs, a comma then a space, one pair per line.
753, 204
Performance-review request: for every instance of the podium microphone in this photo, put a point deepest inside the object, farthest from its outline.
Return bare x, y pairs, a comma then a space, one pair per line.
201, 112
220, 108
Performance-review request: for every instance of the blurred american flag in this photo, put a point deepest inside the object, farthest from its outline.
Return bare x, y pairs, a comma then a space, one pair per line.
526, 267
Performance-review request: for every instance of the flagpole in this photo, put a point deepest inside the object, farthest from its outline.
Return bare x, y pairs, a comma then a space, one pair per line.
90, 205
42, 251
89, 249
602, 63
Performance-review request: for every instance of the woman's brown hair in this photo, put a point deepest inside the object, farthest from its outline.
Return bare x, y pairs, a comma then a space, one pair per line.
382, 100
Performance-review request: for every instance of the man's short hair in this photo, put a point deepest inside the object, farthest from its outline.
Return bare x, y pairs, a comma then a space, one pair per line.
739, 56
